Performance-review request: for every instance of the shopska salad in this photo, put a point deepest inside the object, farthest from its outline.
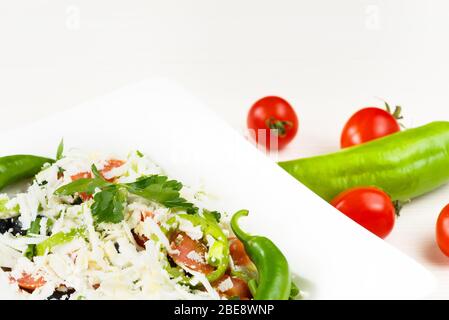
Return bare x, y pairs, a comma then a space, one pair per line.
100, 227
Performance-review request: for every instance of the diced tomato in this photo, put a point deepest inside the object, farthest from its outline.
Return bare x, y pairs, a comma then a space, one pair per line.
140, 239
83, 175
146, 214
238, 253
240, 288
190, 253
111, 164
29, 283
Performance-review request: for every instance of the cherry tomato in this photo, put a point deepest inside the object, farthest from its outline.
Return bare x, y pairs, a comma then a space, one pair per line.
368, 206
240, 288
29, 283
276, 114
368, 124
238, 253
442, 231
190, 253
83, 175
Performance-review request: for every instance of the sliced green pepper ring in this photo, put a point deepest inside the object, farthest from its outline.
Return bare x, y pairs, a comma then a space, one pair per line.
218, 254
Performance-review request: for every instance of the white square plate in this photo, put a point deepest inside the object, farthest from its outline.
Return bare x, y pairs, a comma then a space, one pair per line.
333, 257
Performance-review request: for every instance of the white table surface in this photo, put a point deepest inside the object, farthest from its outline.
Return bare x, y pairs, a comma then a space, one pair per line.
327, 58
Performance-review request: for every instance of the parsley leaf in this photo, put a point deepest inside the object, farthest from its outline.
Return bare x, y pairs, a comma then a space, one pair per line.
60, 152
212, 215
159, 189
139, 154
96, 173
109, 205
86, 185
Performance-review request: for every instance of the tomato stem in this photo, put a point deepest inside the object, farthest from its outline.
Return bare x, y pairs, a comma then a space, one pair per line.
397, 113
279, 125
398, 205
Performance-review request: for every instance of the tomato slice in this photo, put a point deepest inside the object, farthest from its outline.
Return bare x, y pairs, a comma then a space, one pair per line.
190, 253
29, 283
83, 175
239, 289
238, 253
110, 165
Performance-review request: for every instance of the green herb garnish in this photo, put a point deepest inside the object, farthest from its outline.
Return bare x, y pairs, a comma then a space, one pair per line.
60, 151
35, 228
109, 203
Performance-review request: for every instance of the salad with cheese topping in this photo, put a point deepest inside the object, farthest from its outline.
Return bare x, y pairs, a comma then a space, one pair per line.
94, 226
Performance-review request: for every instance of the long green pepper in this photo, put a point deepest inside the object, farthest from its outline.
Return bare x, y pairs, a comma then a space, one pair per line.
405, 165
274, 279
19, 167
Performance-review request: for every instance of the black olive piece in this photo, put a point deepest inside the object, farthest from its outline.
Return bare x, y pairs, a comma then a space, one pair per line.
77, 201
16, 227
5, 225
58, 294
12, 225
117, 247
172, 262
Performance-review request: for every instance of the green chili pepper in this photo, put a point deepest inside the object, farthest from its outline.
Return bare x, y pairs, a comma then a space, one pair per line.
274, 279
18, 167
218, 255
405, 165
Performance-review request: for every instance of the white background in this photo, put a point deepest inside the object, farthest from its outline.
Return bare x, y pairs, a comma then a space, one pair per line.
328, 58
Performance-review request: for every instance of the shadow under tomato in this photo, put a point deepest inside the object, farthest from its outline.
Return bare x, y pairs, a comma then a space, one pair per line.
433, 254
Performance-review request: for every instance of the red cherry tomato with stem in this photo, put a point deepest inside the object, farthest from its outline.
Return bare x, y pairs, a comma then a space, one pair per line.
368, 206
370, 123
273, 119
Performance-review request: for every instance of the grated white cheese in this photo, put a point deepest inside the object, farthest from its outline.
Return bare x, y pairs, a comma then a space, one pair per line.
192, 231
106, 263
225, 285
195, 256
